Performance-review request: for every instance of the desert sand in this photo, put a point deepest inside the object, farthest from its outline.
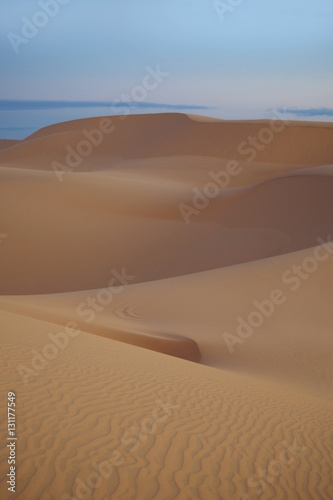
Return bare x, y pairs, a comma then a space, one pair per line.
166, 309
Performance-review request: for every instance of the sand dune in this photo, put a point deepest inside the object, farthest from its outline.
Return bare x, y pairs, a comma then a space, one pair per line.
114, 214
7, 143
178, 135
203, 307
167, 310
219, 429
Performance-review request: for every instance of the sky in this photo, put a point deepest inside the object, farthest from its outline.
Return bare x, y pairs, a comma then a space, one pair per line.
238, 56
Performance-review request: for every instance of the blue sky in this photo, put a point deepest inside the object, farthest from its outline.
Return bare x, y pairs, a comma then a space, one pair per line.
264, 54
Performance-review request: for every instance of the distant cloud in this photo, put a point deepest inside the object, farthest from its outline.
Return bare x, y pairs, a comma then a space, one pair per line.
16, 128
307, 112
10, 105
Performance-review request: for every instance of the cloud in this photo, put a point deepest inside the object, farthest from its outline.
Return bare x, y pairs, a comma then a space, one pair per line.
11, 105
308, 112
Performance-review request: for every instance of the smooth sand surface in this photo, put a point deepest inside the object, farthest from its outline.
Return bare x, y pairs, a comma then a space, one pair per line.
7, 143
155, 357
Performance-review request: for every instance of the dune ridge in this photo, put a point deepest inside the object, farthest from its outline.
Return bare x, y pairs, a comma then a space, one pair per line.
238, 225
177, 134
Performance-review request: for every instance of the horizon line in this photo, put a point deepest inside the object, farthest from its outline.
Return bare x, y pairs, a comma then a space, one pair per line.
10, 104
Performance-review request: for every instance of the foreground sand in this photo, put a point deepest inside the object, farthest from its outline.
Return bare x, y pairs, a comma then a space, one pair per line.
167, 372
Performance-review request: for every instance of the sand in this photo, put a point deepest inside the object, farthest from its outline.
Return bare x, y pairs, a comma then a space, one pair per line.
166, 303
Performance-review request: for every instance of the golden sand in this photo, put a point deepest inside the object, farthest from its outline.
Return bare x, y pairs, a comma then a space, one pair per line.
166, 309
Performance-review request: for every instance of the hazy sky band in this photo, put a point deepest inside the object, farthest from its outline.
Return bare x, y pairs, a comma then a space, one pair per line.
11, 105
30, 105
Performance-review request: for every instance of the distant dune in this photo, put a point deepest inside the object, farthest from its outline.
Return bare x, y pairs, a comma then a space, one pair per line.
166, 301
173, 134
6, 143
